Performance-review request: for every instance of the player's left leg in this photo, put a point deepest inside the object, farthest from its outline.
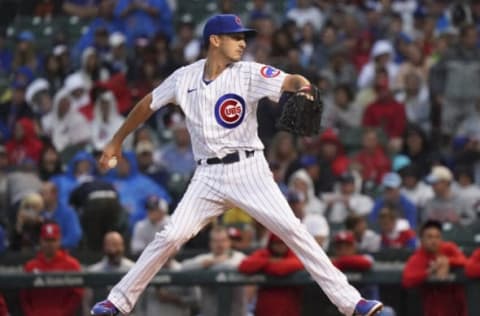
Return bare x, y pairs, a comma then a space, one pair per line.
254, 189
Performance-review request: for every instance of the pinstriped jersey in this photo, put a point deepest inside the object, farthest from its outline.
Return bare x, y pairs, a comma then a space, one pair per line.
221, 115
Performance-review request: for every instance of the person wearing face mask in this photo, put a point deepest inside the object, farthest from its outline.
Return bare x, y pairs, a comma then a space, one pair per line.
114, 260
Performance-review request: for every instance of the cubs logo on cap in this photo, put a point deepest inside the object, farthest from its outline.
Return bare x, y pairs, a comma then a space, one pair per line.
269, 72
230, 110
225, 24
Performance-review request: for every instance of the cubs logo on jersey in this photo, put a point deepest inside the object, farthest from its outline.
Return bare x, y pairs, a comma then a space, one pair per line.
269, 72
230, 110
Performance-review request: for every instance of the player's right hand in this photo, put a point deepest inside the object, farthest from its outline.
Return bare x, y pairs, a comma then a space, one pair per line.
111, 151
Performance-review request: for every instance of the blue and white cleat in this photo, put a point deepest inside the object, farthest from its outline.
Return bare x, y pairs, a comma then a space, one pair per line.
367, 308
104, 308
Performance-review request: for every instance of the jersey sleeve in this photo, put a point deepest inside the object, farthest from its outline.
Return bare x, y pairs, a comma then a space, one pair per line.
266, 81
164, 93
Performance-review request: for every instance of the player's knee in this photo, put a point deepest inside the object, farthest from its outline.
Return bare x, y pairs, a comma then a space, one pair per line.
172, 236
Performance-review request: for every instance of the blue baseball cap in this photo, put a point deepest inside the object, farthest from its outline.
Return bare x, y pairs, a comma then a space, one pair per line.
392, 180
225, 24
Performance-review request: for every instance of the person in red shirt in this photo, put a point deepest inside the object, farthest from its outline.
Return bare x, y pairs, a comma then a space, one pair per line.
25, 144
51, 301
396, 233
346, 256
371, 161
277, 260
385, 112
434, 260
472, 268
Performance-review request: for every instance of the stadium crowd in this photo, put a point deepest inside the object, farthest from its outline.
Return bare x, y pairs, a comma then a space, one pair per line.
397, 162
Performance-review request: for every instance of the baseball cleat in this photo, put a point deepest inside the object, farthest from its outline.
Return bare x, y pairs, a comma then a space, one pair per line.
104, 308
367, 308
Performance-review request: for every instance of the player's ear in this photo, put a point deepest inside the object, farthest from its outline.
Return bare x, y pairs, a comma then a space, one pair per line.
214, 40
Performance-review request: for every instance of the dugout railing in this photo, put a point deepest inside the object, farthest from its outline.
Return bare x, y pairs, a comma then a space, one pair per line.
388, 278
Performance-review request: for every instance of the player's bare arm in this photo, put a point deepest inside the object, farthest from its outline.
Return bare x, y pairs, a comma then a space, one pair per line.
293, 83
140, 113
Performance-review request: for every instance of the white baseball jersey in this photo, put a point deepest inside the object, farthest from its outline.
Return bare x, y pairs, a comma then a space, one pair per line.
221, 116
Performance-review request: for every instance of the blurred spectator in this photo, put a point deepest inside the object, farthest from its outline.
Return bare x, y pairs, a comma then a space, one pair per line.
146, 165
38, 97
145, 230
466, 189
241, 229
396, 234
26, 233
106, 119
25, 144
366, 239
434, 260
346, 201
340, 68
186, 44
99, 209
25, 54
415, 96
117, 60
346, 258
381, 57
345, 113
413, 187
50, 164
333, 160
92, 69
65, 126
51, 258
446, 205
278, 176
171, 300
6, 55
416, 65
220, 257
53, 73
21, 182
416, 147
63, 215
133, 188
145, 17
114, 260
282, 152
301, 182
453, 78
385, 112
305, 12
315, 223
472, 267
177, 156
80, 168
371, 160
268, 113
105, 21
392, 197
278, 260
82, 8
13, 110
470, 127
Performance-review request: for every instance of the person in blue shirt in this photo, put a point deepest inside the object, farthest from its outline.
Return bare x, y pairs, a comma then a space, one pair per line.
392, 197
80, 168
133, 187
61, 214
145, 17
106, 20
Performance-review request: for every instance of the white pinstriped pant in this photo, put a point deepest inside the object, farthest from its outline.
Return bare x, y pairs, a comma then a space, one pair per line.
248, 184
